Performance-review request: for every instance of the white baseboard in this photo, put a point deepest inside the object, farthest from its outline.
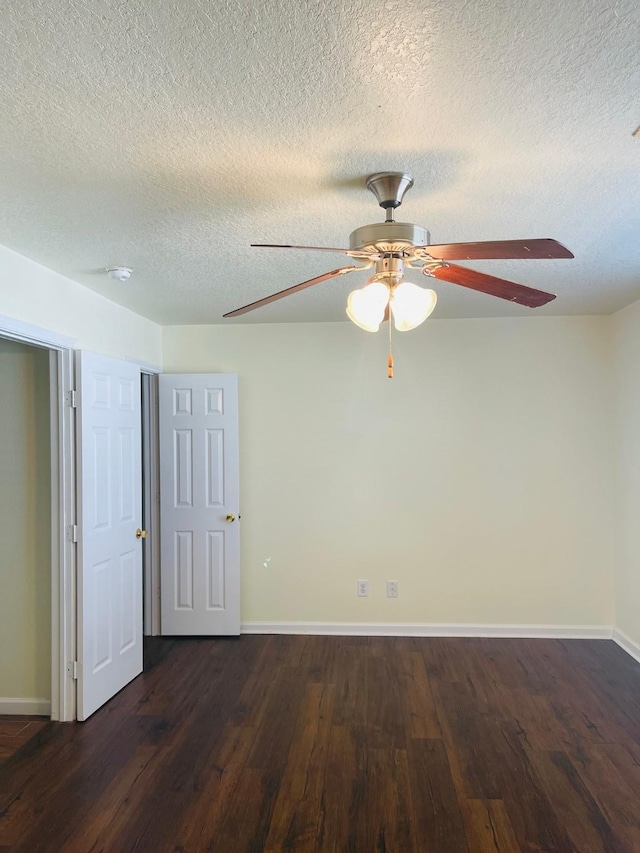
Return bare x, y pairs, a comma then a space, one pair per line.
625, 642
390, 629
34, 707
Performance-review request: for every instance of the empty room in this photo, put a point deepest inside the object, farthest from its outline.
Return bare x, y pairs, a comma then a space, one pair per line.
320, 427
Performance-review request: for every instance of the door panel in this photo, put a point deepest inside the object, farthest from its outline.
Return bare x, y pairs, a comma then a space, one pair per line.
199, 489
109, 511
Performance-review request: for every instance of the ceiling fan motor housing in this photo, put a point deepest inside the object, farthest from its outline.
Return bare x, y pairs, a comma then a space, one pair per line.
388, 237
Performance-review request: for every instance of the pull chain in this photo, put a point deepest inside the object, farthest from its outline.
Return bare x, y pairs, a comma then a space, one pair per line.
390, 359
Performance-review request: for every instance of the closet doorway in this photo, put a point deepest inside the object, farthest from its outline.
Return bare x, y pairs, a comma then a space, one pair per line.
25, 530
36, 522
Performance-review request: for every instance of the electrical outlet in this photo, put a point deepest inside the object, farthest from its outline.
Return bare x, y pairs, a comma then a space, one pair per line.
392, 589
363, 589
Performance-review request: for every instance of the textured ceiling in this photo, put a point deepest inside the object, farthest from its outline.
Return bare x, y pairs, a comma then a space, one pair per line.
168, 136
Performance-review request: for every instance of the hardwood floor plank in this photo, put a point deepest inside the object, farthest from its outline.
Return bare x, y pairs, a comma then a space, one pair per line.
465, 737
535, 717
342, 824
14, 734
416, 698
437, 818
351, 682
625, 764
11, 728
297, 812
574, 806
186, 763
528, 803
245, 825
252, 702
27, 779
441, 658
282, 706
488, 827
598, 713
384, 711
612, 775
316, 659
97, 831
201, 822
387, 799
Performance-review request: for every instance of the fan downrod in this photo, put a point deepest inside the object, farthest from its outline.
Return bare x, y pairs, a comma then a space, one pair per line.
389, 187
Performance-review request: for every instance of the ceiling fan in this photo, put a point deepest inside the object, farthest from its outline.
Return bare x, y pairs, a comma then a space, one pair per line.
392, 247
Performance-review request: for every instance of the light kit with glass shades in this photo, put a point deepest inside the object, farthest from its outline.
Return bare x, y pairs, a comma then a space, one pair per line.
392, 248
410, 305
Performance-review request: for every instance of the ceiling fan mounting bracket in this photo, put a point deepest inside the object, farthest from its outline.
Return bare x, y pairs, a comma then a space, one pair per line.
389, 187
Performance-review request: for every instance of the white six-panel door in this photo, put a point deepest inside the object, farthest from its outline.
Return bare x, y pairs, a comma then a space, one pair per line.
109, 512
199, 503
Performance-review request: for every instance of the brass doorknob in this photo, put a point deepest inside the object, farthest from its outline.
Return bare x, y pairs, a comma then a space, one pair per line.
141, 534
231, 517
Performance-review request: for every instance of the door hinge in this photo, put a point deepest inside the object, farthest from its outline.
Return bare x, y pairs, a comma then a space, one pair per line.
72, 669
72, 399
73, 533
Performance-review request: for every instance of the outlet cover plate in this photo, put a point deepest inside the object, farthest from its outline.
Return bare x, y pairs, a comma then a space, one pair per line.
363, 589
392, 589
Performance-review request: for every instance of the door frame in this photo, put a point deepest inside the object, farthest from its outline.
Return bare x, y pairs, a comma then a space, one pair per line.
63, 507
150, 498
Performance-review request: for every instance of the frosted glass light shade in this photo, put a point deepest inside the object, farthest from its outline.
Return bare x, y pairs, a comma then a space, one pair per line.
411, 305
366, 306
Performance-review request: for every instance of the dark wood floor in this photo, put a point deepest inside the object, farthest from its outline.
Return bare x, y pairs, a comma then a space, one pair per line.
343, 744
16, 730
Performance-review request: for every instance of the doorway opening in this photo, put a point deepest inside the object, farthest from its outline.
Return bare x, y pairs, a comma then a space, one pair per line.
150, 504
44, 491
25, 530
37, 516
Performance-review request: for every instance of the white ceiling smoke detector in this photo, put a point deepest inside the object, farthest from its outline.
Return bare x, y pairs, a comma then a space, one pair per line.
119, 273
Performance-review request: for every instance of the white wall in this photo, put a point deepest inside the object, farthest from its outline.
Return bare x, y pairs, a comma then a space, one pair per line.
480, 478
34, 294
626, 336
25, 523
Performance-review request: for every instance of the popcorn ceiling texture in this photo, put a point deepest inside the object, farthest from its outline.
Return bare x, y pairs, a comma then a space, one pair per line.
169, 136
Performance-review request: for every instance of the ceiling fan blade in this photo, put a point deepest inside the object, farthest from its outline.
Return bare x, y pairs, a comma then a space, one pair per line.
498, 250
289, 290
492, 286
354, 253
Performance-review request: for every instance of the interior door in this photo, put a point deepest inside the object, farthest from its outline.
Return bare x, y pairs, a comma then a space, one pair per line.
199, 502
109, 513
